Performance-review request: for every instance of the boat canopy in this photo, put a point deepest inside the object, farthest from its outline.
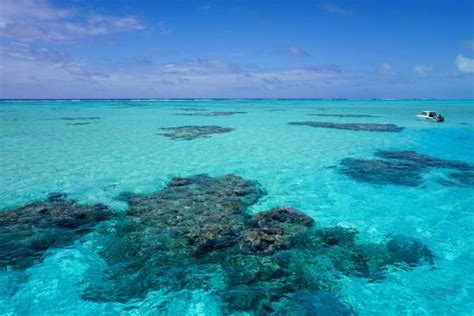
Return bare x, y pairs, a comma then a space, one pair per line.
429, 113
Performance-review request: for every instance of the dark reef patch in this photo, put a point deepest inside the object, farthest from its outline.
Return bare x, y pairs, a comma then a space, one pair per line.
270, 231
371, 127
166, 232
316, 304
344, 115
408, 250
193, 132
463, 178
125, 196
191, 109
27, 232
459, 179
80, 118
377, 171
274, 262
405, 168
228, 113
79, 123
424, 161
196, 234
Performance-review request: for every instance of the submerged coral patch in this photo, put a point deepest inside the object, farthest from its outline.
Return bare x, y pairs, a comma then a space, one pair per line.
344, 115
79, 123
317, 304
27, 232
80, 118
272, 230
424, 161
378, 171
371, 127
167, 231
192, 132
459, 179
196, 234
463, 178
192, 109
228, 113
405, 168
408, 250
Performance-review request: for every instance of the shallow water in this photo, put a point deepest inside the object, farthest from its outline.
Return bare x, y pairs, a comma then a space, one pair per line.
121, 149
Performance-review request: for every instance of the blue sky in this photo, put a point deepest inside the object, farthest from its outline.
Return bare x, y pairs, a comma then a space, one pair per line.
236, 49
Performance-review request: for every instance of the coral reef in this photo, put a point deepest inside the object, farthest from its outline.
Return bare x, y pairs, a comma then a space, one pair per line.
424, 161
192, 109
463, 178
192, 132
79, 123
168, 231
377, 171
80, 118
459, 179
371, 127
195, 234
315, 304
27, 232
405, 168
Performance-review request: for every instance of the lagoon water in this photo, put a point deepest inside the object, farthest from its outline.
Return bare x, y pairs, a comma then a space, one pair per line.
94, 150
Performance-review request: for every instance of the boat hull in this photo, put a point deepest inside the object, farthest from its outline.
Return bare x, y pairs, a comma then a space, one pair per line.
431, 119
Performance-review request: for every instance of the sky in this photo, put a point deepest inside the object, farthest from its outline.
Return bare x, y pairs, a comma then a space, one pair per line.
236, 49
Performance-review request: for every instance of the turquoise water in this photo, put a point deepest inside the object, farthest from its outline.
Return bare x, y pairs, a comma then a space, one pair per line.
42, 152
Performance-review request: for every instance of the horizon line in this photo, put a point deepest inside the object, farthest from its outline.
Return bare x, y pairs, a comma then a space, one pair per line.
232, 99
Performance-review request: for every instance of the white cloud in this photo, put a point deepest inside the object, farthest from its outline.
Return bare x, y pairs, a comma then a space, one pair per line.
298, 52
32, 59
237, 54
205, 7
217, 78
464, 64
30, 9
335, 9
39, 72
30, 20
423, 69
199, 67
385, 69
34, 71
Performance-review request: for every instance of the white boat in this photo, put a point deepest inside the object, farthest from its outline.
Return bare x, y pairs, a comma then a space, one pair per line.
430, 116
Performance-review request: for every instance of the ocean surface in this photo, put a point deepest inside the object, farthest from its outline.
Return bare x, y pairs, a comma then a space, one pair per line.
96, 150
